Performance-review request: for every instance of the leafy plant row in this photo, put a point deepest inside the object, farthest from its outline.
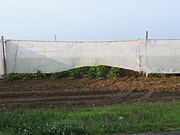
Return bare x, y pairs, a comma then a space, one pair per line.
91, 72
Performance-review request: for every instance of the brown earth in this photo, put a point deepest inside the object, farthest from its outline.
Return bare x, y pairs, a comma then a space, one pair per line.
58, 93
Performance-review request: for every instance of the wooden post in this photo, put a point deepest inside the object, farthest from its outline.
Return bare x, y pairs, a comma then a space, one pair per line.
4, 59
146, 35
145, 51
54, 37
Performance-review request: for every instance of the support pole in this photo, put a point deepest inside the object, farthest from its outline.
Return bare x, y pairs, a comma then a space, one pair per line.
4, 59
146, 35
145, 52
54, 37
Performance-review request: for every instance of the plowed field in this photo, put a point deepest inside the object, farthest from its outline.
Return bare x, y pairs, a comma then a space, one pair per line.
58, 93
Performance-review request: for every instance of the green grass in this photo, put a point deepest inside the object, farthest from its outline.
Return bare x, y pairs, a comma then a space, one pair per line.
125, 118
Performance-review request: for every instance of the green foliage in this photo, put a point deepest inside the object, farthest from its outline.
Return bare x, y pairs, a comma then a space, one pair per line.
12, 76
59, 74
115, 72
124, 118
38, 74
92, 72
15, 76
78, 72
98, 71
74, 73
28, 76
102, 71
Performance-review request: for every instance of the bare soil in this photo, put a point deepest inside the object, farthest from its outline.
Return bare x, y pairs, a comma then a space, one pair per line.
65, 92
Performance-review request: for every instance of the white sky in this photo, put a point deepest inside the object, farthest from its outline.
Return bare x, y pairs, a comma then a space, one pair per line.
89, 20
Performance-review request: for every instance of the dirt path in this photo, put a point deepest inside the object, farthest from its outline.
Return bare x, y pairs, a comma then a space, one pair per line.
51, 93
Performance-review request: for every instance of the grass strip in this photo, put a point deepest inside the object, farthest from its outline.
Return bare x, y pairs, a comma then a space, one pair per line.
125, 118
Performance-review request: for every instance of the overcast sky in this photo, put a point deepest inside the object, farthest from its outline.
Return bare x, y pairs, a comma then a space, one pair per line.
89, 20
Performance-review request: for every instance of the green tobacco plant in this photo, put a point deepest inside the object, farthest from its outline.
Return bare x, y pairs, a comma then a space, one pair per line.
74, 73
38, 75
78, 72
59, 74
12, 76
92, 72
101, 71
98, 71
115, 72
